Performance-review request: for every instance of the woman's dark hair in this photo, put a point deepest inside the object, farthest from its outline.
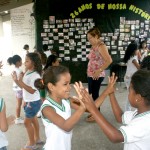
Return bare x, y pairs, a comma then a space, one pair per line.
14, 59
26, 47
50, 60
94, 32
51, 75
141, 84
34, 57
130, 51
141, 43
45, 47
145, 64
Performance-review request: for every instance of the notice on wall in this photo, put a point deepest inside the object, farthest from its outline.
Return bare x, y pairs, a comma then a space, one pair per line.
23, 27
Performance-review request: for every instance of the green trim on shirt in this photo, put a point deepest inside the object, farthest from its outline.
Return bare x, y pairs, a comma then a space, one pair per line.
142, 114
1, 104
124, 134
61, 107
30, 73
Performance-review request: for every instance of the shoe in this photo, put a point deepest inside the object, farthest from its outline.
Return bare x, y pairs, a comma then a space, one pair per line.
19, 120
39, 114
40, 142
33, 147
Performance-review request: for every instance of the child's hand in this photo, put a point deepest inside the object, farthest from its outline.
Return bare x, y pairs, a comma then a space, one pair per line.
10, 120
24, 104
14, 76
111, 82
1, 65
87, 100
78, 86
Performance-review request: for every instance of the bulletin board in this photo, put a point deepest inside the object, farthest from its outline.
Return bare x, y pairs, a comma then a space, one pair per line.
64, 25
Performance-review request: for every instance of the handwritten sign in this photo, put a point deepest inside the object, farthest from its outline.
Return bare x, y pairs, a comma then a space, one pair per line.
117, 6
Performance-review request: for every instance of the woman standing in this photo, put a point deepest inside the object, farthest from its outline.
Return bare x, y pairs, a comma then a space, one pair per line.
99, 60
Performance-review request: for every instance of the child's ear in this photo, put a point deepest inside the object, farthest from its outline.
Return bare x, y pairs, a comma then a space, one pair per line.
139, 98
50, 86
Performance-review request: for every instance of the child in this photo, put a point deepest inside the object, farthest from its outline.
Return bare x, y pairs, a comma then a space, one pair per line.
145, 64
143, 50
25, 52
52, 60
17, 62
31, 96
4, 123
135, 133
131, 59
56, 111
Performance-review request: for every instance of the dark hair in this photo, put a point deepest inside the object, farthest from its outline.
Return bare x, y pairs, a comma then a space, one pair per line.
26, 47
94, 32
43, 57
14, 59
145, 64
51, 75
140, 82
34, 57
141, 43
130, 51
51, 59
45, 47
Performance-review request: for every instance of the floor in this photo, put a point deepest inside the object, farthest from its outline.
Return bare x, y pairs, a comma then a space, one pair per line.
86, 136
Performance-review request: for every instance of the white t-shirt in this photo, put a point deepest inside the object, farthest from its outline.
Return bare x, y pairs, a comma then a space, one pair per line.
56, 138
136, 131
48, 53
144, 53
15, 86
29, 79
131, 68
3, 139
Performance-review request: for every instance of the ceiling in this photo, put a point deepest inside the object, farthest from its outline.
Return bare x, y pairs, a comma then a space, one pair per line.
6, 5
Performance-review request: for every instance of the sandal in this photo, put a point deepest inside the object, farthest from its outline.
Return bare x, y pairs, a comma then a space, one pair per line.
90, 118
32, 147
40, 142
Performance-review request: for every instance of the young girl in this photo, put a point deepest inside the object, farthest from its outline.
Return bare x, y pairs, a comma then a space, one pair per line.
17, 62
135, 131
143, 50
31, 97
131, 59
52, 60
56, 111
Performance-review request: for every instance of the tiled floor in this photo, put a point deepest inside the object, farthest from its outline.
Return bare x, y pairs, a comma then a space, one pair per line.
86, 136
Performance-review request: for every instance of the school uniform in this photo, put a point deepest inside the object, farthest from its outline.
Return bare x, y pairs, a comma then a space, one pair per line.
57, 138
136, 131
33, 101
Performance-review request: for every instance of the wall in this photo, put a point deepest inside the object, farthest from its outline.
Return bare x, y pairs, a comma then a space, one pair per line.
119, 22
23, 28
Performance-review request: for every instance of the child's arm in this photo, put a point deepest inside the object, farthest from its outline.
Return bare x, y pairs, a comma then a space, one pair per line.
111, 132
21, 84
68, 124
116, 108
3, 120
